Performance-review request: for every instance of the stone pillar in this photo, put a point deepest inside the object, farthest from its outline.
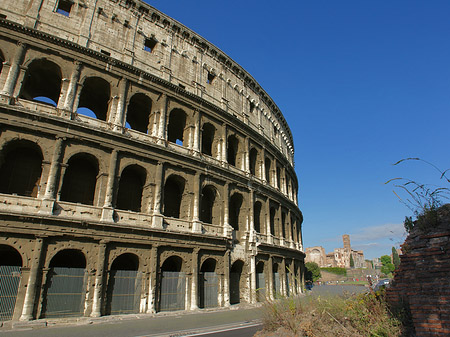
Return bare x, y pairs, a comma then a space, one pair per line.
118, 121
251, 218
13, 74
107, 211
252, 279
283, 277
224, 143
263, 165
292, 278
157, 216
268, 230
162, 119
226, 279
151, 308
196, 138
226, 213
270, 293
99, 277
50, 189
194, 284
30, 294
196, 224
72, 90
246, 152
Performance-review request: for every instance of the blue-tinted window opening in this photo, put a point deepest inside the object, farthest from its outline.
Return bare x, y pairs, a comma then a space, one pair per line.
149, 45
64, 7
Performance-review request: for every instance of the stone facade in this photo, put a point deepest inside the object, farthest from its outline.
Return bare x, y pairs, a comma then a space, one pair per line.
139, 164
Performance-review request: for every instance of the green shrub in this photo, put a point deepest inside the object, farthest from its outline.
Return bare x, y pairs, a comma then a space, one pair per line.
335, 270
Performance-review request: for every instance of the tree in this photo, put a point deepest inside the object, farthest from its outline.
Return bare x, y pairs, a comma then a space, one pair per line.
312, 271
352, 262
395, 258
385, 259
387, 266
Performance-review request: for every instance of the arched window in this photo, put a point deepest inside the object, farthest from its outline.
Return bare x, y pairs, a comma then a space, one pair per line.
260, 282
208, 133
42, 82
207, 204
276, 281
138, 112
131, 184
283, 225
80, 179
257, 216
208, 284
253, 160
94, 98
173, 193
10, 274
173, 285
232, 150
235, 209
177, 124
272, 220
235, 281
21, 168
268, 166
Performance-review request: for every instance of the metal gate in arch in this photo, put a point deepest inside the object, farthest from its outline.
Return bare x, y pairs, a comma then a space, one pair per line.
276, 284
173, 291
124, 292
208, 289
260, 287
9, 285
65, 292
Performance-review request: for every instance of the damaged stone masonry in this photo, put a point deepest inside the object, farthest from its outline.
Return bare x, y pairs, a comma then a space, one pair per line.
141, 169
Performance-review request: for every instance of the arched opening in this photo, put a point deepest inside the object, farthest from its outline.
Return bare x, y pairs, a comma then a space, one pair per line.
283, 225
207, 202
272, 220
21, 168
235, 282
138, 112
10, 274
208, 133
173, 194
42, 82
177, 124
131, 185
288, 282
124, 286
253, 160
65, 288
278, 177
232, 150
267, 165
173, 285
2, 59
94, 98
257, 216
208, 284
276, 281
235, 210
260, 282
80, 179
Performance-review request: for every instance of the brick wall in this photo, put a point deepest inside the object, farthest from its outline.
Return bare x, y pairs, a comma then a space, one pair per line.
422, 281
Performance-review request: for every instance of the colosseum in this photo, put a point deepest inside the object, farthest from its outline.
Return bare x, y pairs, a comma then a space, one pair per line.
141, 168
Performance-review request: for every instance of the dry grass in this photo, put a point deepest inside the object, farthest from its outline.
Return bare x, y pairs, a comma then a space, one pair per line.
358, 315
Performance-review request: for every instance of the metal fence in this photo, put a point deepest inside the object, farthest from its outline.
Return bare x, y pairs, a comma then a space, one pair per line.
9, 285
260, 287
65, 292
209, 289
173, 291
124, 292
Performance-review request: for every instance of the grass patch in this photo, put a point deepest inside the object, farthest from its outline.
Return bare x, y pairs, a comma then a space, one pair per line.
356, 315
335, 270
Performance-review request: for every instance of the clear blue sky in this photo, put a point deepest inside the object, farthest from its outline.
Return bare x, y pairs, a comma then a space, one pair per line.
362, 85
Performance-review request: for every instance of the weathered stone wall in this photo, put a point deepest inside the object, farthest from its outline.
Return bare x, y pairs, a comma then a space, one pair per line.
422, 280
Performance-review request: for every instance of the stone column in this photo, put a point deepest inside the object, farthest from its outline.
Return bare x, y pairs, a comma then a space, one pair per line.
251, 210
151, 308
196, 224
72, 90
283, 277
226, 279
118, 121
157, 216
99, 277
13, 74
196, 138
30, 294
263, 165
246, 160
194, 284
162, 119
292, 268
107, 211
270, 293
224, 143
226, 213
252, 279
268, 230
50, 189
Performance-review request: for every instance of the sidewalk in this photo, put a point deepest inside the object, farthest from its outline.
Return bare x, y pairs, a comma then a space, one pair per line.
134, 324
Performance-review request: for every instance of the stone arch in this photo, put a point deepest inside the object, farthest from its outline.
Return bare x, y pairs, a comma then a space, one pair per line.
176, 128
260, 282
80, 178
268, 168
208, 284
20, 168
173, 195
209, 208
124, 285
65, 289
232, 150
208, 133
237, 282
138, 112
235, 206
257, 207
253, 161
273, 226
172, 285
131, 185
94, 98
42, 82
10, 274
276, 280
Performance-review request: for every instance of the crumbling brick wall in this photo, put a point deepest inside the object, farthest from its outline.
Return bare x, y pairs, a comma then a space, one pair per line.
422, 282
